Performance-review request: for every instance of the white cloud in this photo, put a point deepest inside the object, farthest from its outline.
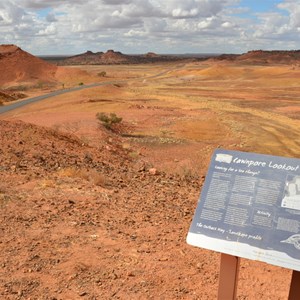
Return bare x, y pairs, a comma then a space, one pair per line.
39, 4
10, 13
191, 8
49, 30
281, 27
154, 26
269, 24
52, 26
227, 24
183, 13
293, 8
207, 23
116, 2
51, 17
141, 8
135, 33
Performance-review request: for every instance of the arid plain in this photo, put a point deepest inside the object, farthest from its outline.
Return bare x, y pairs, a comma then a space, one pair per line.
91, 213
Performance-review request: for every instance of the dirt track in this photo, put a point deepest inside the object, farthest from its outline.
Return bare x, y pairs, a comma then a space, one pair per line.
91, 214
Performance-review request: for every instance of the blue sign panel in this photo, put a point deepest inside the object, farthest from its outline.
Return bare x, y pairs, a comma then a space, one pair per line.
250, 207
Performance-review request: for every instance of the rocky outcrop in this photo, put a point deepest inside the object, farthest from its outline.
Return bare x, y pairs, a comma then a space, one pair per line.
262, 57
112, 57
23, 68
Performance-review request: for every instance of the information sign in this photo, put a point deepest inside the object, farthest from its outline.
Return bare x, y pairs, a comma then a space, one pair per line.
250, 207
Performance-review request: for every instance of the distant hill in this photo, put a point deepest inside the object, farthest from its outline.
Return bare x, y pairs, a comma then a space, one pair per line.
264, 57
115, 57
275, 56
18, 66
112, 57
20, 70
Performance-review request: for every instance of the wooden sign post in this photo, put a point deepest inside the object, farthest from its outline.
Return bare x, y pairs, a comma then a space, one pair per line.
250, 208
295, 286
229, 272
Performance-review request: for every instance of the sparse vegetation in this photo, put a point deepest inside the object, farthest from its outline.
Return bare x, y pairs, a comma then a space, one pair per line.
19, 88
108, 121
9, 95
90, 175
40, 85
102, 74
80, 83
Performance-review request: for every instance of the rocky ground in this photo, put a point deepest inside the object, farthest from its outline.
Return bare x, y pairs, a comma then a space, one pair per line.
89, 222
90, 213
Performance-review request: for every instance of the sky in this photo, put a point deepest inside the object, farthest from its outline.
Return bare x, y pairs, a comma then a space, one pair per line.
65, 27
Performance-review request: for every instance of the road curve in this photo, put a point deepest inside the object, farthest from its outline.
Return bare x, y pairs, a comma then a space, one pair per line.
6, 108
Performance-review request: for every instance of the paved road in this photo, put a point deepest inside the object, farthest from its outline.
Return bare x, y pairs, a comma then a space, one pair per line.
6, 108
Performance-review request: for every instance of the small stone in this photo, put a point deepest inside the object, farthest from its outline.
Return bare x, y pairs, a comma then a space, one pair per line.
153, 171
164, 259
199, 265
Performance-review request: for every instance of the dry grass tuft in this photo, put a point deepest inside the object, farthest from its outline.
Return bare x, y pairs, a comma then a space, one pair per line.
47, 183
91, 175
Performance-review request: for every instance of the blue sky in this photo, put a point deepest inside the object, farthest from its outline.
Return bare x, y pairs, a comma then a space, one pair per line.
42, 13
140, 26
260, 5
252, 8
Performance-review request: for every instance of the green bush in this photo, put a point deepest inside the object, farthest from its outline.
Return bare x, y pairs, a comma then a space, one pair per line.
108, 121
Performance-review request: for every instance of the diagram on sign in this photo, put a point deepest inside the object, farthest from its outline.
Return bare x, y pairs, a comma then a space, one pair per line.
292, 193
294, 240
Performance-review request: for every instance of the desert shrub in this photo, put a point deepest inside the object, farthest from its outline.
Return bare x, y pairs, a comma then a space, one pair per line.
40, 85
108, 121
102, 74
19, 88
1, 102
80, 83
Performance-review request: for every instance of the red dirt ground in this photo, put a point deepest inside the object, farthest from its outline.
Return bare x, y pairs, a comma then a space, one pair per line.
82, 222
86, 213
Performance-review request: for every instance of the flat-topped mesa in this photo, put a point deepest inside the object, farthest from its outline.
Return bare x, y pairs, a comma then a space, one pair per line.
273, 52
263, 57
8, 48
273, 56
112, 53
112, 56
151, 54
